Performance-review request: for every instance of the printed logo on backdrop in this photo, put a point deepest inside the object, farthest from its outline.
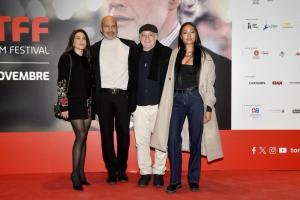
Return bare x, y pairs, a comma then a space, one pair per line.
254, 112
287, 25
277, 82
22, 37
273, 150
255, 2
269, 26
296, 111
252, 24
255, 53
257, 83
294, 82
281, 54
277, 111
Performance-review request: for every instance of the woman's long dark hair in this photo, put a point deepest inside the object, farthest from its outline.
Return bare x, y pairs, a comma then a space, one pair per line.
86, 51
198, 49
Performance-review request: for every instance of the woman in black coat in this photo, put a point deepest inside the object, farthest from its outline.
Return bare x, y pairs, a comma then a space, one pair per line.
74, 97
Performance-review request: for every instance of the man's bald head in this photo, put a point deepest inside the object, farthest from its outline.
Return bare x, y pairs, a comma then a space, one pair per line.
109, 27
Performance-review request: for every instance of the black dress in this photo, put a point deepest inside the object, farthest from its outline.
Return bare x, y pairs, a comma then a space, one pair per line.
75, 96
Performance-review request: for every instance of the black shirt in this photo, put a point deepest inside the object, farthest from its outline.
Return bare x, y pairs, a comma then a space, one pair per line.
186, 77
148, 91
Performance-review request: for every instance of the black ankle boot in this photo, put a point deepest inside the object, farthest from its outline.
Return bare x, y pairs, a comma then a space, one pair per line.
194, 187
173, 188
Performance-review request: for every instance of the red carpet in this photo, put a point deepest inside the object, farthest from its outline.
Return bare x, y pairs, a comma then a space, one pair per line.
227, 185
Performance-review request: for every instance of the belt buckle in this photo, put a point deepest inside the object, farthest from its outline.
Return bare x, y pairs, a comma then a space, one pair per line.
114, 91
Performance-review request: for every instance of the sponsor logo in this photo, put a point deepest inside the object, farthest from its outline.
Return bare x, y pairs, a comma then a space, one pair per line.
255, 110
252, 25
277, 82
256, 54
277, 111
257, 82
269, 26
265, 52
296, 111
287, 25
281, 54
294, 82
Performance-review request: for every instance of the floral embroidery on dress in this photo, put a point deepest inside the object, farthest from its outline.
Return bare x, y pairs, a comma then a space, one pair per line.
62, 92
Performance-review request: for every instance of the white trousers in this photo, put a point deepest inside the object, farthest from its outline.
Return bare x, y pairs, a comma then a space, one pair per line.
143, 122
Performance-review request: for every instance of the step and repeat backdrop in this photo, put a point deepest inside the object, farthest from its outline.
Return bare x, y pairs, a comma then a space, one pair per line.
254, 43
34, 33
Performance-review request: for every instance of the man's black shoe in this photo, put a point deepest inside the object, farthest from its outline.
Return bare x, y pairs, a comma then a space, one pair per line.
194, 187
111, 179
173, 188
144, 180
158, 180
122, 177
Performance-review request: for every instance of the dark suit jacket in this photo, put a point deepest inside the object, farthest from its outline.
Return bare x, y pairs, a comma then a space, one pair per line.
158, 67
95, 63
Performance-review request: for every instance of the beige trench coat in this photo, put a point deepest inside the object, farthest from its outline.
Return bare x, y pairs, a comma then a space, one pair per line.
211, 143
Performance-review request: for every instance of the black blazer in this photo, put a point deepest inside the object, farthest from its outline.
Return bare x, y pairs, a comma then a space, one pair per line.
95, 64
158, 67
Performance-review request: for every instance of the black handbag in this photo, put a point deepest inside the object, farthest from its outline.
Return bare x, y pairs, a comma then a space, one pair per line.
58, 106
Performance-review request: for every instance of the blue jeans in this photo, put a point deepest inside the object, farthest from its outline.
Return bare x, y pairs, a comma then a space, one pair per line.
188, 105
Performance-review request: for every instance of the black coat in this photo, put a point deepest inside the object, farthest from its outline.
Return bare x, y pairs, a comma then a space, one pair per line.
158, 67
95, 63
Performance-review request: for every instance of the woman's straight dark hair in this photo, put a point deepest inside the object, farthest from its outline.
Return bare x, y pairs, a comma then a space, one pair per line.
198, 49
86, 51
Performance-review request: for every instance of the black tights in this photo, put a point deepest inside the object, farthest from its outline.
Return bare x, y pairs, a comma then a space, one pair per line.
81, 128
